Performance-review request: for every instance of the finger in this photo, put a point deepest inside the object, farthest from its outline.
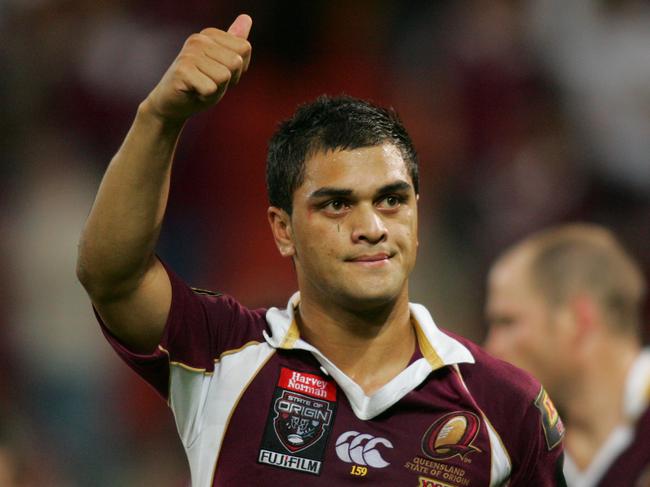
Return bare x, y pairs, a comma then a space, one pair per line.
195, 81
219, 72
230, 59
226, 39
212, 92
192, 78
241, 27
203, 45
247, 57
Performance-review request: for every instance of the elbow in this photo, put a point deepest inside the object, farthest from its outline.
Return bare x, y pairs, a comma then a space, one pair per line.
80, 270
99, 288
103, 279
82, 274
85, 276
95, 280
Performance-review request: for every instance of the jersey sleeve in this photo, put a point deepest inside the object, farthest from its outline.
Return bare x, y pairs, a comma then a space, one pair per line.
201, 326
523, 415
540, 451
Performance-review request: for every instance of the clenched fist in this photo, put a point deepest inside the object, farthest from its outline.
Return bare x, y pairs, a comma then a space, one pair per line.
206, 66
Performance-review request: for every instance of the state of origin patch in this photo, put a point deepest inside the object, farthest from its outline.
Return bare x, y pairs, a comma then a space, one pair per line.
299, 422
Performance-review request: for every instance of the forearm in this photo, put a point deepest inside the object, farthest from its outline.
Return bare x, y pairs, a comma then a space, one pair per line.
118, 242
116, 261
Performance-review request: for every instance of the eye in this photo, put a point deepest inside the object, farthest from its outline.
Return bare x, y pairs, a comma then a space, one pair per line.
390, 202
502, 322
336, 207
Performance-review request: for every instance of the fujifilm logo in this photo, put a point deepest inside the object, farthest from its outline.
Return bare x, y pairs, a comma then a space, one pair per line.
289, 461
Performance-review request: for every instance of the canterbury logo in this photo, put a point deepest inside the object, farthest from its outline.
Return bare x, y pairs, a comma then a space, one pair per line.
361, 449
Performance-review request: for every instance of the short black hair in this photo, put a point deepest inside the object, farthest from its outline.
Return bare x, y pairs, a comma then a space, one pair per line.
330, 123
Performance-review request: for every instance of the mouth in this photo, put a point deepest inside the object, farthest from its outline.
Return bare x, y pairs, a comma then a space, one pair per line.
371, 259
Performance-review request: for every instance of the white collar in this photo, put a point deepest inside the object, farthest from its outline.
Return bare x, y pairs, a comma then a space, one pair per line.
438, 350
637, 387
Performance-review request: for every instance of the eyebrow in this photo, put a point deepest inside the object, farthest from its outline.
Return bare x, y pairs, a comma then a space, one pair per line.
332, 192
395, 187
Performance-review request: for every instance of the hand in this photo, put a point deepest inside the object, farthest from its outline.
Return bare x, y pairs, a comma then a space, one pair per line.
207, 65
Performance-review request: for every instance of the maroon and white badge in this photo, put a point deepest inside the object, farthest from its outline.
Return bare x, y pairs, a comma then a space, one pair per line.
299, 422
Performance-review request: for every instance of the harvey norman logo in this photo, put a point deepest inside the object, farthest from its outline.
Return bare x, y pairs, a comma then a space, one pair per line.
310, 384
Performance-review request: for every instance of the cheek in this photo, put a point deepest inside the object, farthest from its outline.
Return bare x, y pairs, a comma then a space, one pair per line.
521, 339
406, 233
319, 245
413, 232
528, 335
538, 347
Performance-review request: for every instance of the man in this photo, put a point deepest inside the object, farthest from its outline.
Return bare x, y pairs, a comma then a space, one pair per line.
350, 382
565, 304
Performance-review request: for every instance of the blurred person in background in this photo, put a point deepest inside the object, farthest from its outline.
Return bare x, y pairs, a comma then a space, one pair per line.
565, 304
325, 386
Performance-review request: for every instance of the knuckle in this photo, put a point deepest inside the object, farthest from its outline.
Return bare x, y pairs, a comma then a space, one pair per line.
226, 74
236, 62
245, 47
185, 57
180, 67
178, 85
207, 89
209, 31
194, 40
184, 63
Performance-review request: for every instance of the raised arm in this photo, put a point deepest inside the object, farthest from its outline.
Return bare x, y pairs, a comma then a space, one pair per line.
116, 263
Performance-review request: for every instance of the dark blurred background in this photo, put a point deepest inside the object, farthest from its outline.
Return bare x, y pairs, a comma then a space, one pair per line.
524, 113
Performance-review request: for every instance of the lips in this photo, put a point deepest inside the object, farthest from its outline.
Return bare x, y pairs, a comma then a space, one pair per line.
378, 257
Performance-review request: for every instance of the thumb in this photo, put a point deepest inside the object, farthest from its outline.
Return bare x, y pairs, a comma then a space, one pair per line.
241, 26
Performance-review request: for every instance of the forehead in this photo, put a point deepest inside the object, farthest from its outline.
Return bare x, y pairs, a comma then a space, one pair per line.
509, 281
357, 169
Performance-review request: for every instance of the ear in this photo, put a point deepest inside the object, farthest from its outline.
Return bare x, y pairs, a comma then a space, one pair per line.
280, 222
417, 236
586, 317
585, 311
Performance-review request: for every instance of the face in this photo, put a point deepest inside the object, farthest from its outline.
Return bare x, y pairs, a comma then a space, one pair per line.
353, 230
523, 329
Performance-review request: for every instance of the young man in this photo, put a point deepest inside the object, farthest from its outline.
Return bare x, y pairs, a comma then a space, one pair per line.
350, 382
565, 304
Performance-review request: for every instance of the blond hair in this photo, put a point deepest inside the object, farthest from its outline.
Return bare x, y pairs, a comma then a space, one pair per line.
587, 258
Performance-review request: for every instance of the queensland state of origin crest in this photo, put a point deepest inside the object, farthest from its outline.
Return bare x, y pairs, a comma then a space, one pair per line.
300, 420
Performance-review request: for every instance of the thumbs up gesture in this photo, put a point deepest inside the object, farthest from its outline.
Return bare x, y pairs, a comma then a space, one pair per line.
208, 64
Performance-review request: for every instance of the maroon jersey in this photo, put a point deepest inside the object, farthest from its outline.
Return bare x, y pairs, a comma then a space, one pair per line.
632, 466
624, 458
254, 404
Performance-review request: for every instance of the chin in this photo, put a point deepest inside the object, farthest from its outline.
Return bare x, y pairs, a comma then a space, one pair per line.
366, 299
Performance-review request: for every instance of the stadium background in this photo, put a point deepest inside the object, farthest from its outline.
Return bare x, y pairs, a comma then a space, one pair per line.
524, 113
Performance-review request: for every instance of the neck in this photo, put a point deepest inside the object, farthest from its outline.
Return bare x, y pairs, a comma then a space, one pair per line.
595, 407
370, 346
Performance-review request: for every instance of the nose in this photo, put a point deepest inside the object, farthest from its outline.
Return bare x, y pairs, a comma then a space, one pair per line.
369, 225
